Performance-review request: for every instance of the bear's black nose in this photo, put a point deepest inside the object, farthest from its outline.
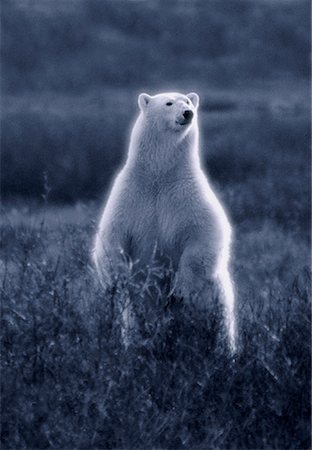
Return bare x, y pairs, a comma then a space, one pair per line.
188, 114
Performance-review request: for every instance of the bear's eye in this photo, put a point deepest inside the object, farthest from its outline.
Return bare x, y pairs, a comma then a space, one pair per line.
169, 103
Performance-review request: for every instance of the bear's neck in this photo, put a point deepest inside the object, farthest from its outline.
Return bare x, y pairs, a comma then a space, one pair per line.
163, 153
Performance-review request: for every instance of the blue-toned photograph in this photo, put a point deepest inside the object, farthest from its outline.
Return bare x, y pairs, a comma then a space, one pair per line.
155, 270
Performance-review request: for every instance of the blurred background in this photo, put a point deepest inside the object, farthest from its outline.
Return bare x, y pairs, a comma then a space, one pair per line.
72, 70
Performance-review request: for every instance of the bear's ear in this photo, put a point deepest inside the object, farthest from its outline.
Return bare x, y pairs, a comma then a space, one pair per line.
194, 98
143, 101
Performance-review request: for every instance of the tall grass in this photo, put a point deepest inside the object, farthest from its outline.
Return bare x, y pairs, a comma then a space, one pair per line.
69, 382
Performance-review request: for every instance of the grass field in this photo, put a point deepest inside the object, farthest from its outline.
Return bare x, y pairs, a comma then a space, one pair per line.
69, 383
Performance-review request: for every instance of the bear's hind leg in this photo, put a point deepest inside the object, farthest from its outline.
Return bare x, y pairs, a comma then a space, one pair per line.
228, 300
196, 276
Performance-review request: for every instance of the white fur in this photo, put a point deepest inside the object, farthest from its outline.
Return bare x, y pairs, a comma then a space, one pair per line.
162, 197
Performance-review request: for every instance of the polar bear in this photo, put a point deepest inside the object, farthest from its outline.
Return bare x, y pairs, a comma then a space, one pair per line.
162, 198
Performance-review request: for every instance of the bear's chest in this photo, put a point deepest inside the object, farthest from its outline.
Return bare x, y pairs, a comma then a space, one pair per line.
163, 220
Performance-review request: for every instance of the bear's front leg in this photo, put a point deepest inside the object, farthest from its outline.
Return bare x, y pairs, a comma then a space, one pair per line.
110, 256
112, 260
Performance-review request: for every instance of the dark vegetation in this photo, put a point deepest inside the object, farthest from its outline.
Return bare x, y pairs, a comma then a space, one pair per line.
68, 382
71, 72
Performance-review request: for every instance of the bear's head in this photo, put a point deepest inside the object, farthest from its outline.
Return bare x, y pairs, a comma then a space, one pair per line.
170, 111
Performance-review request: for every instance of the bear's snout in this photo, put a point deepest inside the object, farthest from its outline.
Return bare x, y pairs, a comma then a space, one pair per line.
188, 115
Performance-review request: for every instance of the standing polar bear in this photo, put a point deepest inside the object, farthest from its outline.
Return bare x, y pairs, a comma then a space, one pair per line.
162, 198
